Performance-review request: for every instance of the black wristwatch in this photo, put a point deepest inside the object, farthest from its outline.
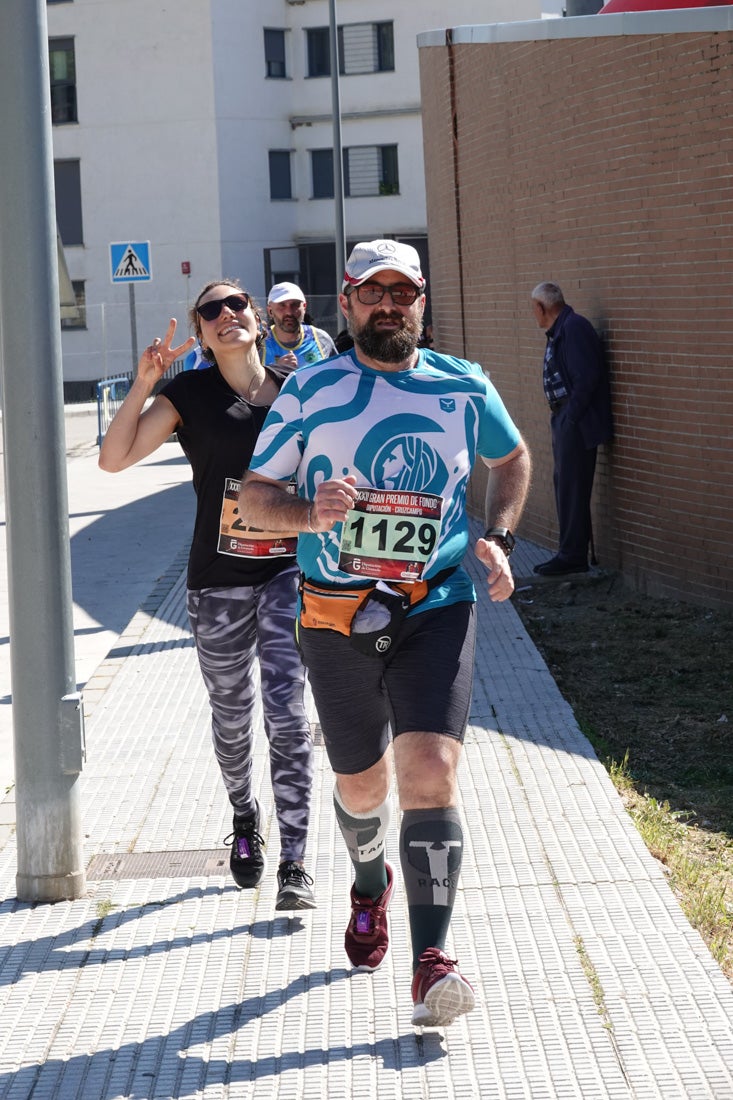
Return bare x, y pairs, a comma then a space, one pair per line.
503, 536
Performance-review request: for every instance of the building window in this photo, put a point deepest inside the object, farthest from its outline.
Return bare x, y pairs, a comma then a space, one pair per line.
363, 48
319, 51
76, 317
322, 173
63, 79
368, 170
280, 183
385, 47
275, 54
67, 184
366, 48
371, 170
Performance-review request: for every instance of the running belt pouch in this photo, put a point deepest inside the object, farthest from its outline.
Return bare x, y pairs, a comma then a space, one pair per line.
335, 609
330, 608
397, 599
376, 643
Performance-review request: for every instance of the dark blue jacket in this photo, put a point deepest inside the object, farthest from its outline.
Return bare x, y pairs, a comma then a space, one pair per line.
578, 355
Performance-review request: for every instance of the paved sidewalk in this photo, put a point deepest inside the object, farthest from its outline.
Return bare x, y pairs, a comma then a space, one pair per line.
167, 981
124, 529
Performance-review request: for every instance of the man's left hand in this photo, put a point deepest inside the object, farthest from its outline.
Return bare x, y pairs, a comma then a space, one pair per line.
289, 359
500, 579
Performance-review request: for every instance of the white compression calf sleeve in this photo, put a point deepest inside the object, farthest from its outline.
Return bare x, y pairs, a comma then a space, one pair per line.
366, 833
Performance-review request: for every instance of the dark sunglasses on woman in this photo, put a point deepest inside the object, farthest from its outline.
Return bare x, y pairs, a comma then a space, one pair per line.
211, 310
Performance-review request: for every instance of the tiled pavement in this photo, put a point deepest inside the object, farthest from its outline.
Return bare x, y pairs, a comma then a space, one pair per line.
167, 981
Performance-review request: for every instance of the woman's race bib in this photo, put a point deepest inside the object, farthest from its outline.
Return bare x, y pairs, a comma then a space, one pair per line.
239, 540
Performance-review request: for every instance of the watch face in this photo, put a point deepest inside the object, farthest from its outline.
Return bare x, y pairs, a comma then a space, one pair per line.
503, 536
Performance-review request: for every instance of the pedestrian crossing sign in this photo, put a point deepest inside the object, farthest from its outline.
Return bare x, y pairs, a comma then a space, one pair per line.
130, 262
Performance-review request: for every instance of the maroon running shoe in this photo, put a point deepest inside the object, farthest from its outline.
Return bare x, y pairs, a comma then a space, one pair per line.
439, 991
367, 936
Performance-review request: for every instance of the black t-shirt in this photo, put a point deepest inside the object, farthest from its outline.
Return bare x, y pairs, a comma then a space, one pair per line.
218, 434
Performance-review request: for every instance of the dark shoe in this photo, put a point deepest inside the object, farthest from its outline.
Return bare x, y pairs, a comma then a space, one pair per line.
247, 861
367, 936
439, 991
294, 887
556, 567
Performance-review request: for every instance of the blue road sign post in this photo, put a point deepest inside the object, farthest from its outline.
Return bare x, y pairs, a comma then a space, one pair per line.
130, 263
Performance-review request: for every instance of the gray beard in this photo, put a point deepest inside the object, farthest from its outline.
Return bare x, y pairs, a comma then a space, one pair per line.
386, 347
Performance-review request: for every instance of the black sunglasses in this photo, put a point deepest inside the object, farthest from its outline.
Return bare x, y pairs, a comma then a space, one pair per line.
402, 294
211, 310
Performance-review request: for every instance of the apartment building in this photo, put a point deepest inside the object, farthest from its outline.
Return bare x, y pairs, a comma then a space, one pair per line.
202, 130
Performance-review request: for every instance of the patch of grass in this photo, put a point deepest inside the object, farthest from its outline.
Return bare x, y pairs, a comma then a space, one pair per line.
593, 981
104, 907
651, 684
704, 886
619, 773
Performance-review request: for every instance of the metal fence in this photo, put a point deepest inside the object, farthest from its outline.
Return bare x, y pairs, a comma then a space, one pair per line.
111, 392
110, 395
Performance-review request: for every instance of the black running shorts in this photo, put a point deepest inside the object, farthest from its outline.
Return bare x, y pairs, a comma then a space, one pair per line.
423, 685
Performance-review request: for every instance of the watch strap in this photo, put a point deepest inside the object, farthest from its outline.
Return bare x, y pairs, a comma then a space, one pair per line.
503, 536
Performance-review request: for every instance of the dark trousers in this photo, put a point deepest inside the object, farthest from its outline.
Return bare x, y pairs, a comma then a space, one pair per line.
575, 466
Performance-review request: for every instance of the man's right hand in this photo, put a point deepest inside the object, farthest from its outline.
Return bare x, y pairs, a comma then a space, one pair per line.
332, 501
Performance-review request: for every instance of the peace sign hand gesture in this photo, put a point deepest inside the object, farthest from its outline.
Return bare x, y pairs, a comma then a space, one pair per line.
158, 356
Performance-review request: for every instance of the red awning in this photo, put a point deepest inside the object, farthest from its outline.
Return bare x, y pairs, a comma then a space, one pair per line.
658, 5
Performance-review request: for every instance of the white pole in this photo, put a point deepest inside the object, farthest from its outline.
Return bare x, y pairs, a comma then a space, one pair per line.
338, 166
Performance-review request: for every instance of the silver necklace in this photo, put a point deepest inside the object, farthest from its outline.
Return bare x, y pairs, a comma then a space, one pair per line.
247, 398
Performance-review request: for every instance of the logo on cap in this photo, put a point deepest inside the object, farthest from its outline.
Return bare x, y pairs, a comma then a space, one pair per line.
369, 257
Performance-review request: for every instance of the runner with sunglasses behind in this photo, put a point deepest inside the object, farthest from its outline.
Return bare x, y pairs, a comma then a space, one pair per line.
242, 582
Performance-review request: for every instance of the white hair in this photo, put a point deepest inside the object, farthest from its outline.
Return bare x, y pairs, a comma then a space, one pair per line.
549, 294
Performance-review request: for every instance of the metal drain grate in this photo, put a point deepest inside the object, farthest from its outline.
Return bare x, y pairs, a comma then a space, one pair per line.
135, 865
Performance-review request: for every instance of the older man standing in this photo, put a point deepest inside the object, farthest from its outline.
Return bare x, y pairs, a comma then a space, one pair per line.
382, 441
290, 342
575, 381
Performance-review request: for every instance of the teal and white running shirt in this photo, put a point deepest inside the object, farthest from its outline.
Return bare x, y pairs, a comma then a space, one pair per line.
414, 434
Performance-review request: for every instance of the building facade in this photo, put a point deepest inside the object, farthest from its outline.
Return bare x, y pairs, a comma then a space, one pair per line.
204, 129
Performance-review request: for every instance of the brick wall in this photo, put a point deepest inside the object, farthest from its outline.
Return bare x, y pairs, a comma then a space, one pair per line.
604, 164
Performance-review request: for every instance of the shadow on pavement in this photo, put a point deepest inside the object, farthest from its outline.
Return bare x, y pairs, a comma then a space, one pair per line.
117, 559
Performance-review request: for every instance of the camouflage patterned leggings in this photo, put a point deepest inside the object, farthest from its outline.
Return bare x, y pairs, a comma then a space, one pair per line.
231, 627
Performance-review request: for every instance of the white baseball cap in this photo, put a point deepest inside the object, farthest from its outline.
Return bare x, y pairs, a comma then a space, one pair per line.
286, 292
369, 257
